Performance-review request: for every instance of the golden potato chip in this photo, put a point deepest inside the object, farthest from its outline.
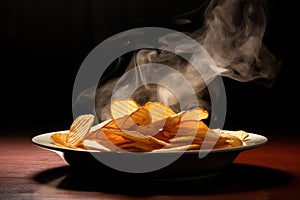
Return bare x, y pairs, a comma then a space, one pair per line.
153, 127
172, 122
161, 136
195, 114
115, 123
79, 129
158, 111
59, 138
120, 108
202, 128
124, 122
186, 140
135, 136
117, 139
136, 119
197, 128
106, 136
225, 141
146, 130
157, 141
168, 135
141, 117
242, 135
99, 126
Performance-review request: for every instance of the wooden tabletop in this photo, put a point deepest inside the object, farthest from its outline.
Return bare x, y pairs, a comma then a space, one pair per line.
270, 171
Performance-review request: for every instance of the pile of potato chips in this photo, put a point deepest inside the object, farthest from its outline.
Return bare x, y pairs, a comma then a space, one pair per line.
152, 127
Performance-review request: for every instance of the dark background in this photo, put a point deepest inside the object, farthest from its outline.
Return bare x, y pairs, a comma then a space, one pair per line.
43, 44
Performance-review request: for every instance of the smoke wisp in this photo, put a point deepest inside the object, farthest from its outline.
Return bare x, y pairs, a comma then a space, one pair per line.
232, 34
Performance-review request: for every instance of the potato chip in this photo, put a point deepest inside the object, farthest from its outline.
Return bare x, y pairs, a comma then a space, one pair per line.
59, 138
136, 136
172, 122
158, 111
120, 108
226, 140
130, 122
186, 140
99, 126
161, 137
79, 129
195, 114
117, 139
141, 117
168, 135
242, 135
100, 135
146, 130
197, 128
124, 122
153, 127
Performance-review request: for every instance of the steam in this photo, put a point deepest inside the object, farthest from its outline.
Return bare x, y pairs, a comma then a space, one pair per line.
232, 34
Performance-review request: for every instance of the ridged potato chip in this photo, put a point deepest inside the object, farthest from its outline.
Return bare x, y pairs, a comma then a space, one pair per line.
79, 129
120, 108
152, 127
195, 114
60, 140
158, 111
